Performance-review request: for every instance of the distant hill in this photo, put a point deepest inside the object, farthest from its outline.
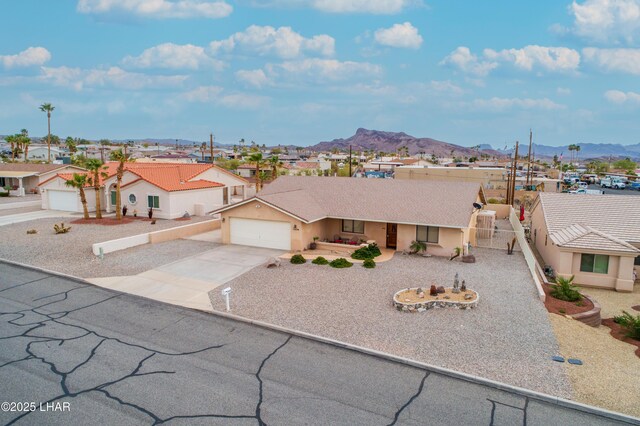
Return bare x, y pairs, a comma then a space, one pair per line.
377, 141
587, 150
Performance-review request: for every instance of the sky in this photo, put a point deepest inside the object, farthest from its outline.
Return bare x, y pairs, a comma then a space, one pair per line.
303, 71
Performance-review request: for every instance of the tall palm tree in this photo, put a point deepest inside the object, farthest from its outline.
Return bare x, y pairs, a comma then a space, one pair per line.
121, 158
79, 182
275, 162
577, 149
11, 139
256, 158
26, 141
48, 108
96, 167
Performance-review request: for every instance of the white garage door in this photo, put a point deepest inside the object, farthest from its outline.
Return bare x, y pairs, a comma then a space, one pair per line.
261, 233
63, 200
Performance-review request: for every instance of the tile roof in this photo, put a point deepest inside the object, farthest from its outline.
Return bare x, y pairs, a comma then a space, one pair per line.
615, 215
446, 204
585, 237
307, 165
31, 167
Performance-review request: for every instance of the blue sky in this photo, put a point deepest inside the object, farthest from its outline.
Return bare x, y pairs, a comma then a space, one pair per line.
304, 71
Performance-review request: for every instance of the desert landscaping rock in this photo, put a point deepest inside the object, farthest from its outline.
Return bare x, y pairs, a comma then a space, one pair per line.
71, 252
506, 338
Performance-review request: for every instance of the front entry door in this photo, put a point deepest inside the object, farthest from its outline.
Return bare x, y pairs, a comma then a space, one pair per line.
392, 235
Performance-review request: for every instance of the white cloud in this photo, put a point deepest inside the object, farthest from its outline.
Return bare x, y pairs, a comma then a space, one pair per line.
158, 9
116, 77
533, 56
504, 104
380, 7
445, 86
607, 20
256, 78
216, 95
619, 97
27, 58
400, 35
282, 42
174, 56
614, 60
323, 70
563, 91
465, 61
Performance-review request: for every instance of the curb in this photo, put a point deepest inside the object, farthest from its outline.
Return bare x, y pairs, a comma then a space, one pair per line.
539, 396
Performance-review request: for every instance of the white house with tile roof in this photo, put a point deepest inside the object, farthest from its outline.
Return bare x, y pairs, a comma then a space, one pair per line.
595, 238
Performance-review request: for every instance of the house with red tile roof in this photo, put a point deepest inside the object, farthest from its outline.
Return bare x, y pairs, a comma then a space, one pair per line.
171, 189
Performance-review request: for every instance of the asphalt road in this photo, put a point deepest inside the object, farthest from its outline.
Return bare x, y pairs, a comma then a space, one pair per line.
94, 356
626, 191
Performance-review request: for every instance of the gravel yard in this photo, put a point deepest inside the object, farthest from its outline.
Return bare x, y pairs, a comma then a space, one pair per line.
8, 212
507, 338
71, 253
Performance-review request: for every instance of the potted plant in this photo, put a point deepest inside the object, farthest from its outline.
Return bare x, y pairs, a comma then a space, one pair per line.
124, 210
135, 213
150, 213
313, 245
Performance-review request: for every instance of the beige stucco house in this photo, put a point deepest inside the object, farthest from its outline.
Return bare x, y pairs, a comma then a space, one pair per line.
292, 210
26, 177
595, 238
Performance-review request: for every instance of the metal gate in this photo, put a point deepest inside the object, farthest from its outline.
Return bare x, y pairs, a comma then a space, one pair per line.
494, 238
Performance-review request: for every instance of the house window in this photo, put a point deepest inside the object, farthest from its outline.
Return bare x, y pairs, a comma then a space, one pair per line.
153, 201
113, 198
637, 261
132, 199
597, 263
353, 226
427, 234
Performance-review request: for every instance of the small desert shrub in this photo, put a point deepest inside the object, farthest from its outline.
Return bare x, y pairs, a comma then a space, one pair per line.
297, 259
630, 323
369, 263
562, 311
340, 262
32, 231
418, 246
565, 290
320, 261
368, 252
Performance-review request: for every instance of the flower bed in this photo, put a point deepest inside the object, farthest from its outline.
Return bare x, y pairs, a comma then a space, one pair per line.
408, 301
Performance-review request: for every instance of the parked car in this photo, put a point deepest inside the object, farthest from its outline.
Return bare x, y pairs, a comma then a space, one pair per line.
587, 191
583, 185
635, 185
612, 183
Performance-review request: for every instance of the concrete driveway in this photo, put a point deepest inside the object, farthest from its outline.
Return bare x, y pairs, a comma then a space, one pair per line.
187, 282
10, 219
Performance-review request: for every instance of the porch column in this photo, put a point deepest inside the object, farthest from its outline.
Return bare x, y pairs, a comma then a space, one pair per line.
244, 192
624, 280
21, 192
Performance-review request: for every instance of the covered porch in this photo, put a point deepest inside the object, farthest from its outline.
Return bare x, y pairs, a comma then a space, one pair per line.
20, 183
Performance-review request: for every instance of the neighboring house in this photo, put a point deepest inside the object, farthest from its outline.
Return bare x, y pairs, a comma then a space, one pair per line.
171, 189
25, 177
292, 210
170, 158
249, 170
40, 153
595, 238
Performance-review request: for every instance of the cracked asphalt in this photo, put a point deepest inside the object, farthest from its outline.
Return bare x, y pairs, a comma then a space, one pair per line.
120, 359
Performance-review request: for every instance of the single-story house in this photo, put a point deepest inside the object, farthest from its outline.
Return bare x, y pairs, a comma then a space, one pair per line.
248, 170
595, 238
25, 177
40, 152
171, 189
292, 210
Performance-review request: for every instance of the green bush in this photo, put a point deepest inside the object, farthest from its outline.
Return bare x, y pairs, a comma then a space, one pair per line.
297, 259
320, 261
630, 323
565, 290
340, 262
368, 252
369, 263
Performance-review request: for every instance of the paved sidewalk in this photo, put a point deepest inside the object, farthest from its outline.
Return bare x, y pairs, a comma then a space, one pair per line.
187, 282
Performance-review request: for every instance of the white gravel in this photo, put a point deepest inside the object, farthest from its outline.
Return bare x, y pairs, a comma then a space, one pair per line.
71, 253
507, 338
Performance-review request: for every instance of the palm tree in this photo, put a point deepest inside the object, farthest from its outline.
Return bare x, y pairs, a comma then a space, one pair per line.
26, 141
256, 158
79, 182
96, 166
275, 162
48, 108
121, 158
71, 145
11, 139
577, 149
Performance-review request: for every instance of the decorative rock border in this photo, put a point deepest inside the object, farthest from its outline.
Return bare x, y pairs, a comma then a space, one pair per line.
428, 304
591, 317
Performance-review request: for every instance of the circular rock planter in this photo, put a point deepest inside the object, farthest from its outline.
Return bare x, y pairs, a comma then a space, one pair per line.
409, 300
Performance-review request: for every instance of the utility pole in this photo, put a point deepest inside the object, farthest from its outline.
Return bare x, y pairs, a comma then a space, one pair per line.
211, 146
529, 172
512, 190
349, 160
